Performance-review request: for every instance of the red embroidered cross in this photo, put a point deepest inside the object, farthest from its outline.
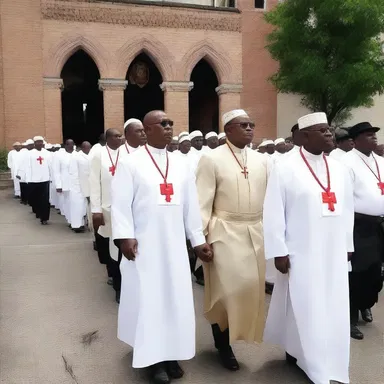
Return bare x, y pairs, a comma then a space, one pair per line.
40, 160
112, 170
381, 186
167, 191
330, 199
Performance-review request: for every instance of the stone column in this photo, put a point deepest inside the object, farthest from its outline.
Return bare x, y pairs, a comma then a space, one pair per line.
176, 103
113, 102
229, 98
52, 110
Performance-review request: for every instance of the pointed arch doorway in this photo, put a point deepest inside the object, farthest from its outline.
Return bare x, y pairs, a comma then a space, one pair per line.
203, 99
81, 99
143, 92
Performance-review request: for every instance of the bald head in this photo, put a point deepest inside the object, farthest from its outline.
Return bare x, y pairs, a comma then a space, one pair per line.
158, 128
113, 137
69, 145
86, 147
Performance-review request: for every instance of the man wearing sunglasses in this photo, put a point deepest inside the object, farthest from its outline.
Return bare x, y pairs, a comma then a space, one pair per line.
154, 207
231, 182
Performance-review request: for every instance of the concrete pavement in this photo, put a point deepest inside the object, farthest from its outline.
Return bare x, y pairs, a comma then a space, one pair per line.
53, 290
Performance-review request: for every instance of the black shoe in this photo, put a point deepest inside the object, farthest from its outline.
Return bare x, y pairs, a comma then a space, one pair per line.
16, 197
228, 359
290, 359
158, 374
117, 297
110, 281
356, 333
366, 314
268, 288
43, 222
174, 370
79, 230
94, 246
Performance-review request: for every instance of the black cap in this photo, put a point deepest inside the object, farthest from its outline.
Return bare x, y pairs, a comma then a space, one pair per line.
341, 134
295, 128
357, 129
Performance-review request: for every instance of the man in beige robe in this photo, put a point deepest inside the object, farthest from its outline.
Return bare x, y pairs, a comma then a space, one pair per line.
231, 182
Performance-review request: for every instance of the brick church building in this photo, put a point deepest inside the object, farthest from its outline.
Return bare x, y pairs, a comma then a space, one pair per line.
72, 69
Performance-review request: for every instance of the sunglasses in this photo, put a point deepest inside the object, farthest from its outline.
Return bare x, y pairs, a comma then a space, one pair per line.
164, 123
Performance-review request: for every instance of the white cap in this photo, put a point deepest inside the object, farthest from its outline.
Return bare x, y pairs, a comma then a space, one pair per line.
229, 116
48, 146
210, 134
38, 138
175, 138
279, 141
268, 142
29, 141
57, 146
130, 121
194, 134
312, 119
222, 135
184, 138
185, 133
16, 143
24, 144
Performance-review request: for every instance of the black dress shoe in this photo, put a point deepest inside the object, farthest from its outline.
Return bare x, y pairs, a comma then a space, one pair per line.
290, 359
356, 333
43, 222
174, 370
228, 359
366, 314
158, 374
78, 230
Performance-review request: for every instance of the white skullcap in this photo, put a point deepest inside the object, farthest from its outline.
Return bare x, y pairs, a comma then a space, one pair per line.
312, 119
269, 142
222, 135
38, 138
194, 134
57, 146
48, 146
16, 143
185, 133
184, 138
24, 144
279, 141
130, 121
29, 141
175, 138
229, 116
44, 142
210, 134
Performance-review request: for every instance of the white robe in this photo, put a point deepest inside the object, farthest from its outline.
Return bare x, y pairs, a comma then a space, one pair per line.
53, 195
12, 160
38, 171
337, 154
77, 200
156, 312
309, 310
63, 182
22, 164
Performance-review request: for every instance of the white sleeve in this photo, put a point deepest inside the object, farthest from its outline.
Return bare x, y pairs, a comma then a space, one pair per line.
56, 171
274, 216
95, 183
10, 159
350, 211
122, 194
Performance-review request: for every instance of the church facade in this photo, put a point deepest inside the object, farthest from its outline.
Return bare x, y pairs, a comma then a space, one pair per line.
76, 68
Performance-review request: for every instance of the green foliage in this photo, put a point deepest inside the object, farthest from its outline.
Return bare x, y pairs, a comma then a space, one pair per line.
329, 52
3, 160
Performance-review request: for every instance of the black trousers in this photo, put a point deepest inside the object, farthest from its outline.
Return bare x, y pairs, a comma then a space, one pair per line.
39, 199
24, 192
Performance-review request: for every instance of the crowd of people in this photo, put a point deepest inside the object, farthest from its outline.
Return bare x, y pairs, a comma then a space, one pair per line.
301, 218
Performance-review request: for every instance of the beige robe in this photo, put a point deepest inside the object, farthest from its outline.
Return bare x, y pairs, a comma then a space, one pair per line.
231, 208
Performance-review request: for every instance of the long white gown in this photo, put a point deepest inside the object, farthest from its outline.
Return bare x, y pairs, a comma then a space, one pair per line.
156, 312
63, 181
309, 310
12, 160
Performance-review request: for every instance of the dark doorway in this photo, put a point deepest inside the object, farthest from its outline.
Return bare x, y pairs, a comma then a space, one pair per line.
143, 92
203, 99
81, 100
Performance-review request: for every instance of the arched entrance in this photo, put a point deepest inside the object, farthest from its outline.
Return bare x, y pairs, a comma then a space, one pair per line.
143, 92
81, 99
203, 99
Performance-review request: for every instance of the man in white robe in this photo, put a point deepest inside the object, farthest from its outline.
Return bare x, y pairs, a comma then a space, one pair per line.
173, 145
12, 160
231, 181
21, 170
63, 179
98, 145
197, 141
344, 144
308, 231
367, 172
222, 138
38, 176
154, 207
77, 198
103, 165
184, 146
134, 136
212, 140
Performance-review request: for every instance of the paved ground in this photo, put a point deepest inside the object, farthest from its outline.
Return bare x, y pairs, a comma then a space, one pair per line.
53, 290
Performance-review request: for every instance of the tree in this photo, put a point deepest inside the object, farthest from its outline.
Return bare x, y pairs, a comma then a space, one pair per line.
330, 52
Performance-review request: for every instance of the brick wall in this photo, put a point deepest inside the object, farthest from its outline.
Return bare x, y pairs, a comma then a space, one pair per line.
2, 127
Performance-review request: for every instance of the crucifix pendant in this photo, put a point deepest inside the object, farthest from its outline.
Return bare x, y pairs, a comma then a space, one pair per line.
245, 172
166, 190
330, 199
112, 170
381, 186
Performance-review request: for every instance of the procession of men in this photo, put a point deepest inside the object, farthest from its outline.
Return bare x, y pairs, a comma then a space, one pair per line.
301, 219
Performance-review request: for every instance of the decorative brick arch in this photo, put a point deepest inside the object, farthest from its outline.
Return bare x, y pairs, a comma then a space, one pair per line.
156, 51
59, 54
210, 52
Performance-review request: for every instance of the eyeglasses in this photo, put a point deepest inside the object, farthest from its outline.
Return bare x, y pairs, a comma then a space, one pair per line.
164, 123
321, 130
245, 125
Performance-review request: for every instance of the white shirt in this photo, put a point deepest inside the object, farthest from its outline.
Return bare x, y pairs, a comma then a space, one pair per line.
61, 170
337, 154
38, 166
367, 195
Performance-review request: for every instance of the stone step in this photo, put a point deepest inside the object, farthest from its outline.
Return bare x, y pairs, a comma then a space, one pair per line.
6, 184
5, 175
